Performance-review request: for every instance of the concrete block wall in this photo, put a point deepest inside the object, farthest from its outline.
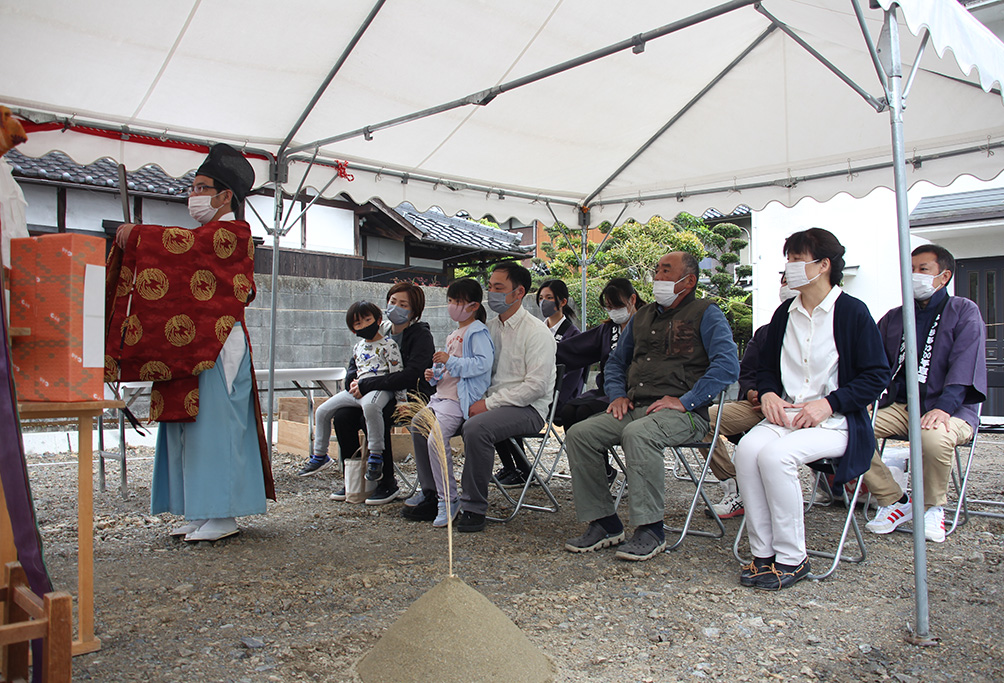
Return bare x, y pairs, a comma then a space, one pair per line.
311, 330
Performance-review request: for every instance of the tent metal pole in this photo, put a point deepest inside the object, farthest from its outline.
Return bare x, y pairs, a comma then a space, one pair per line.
792, 181
878, 106
296, 195
272, 316
310, 203
560, 226
483, 97
879, 69
331, 75
893, 66
676, 117
916, 63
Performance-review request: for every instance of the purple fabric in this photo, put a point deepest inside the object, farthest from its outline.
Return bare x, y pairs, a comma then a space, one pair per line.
14, 479
959, 354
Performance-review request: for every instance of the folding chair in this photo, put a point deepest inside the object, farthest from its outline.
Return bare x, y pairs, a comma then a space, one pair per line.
535, 476
700, 451
960, 482
823, 468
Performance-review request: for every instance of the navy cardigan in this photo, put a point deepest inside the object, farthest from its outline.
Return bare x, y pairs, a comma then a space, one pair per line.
862, 374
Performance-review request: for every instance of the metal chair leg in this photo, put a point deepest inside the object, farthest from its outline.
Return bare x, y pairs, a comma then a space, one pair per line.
698, 494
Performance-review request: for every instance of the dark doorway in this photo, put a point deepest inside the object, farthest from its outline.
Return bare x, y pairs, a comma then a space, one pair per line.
982, 280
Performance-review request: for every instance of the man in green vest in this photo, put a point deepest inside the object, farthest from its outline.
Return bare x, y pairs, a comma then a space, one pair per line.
672, 359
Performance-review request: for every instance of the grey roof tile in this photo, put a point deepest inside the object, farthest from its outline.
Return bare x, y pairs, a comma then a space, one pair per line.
102, 173
436, 226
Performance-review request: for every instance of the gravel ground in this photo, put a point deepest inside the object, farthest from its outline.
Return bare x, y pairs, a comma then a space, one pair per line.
304, 591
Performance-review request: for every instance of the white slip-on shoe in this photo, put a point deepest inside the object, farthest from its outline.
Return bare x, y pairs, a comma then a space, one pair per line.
214, 530
187, 527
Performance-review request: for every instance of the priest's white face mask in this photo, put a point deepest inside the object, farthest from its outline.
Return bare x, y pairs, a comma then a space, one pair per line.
200, 207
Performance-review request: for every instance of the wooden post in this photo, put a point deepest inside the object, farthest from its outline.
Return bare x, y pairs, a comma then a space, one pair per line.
15, 664
58, 644
85, 529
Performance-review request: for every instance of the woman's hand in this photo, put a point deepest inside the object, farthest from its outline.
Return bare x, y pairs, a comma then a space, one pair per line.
354, 389
428, 375
811, 414
440, 357
773, 409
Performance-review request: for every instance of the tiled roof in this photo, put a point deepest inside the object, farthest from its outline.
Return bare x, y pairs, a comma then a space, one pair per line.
58, 167
739, 212
437, 227
959, 207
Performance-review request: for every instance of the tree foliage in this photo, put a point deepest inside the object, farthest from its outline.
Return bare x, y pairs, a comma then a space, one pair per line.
633, 249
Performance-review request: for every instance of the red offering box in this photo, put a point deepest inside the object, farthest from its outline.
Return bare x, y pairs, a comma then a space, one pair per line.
57, 293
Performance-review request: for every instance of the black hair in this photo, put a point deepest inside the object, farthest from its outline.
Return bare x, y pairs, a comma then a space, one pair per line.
517, 275
818, 244
560, 291
944, 257
361, 309
617, 294
468, 290
691, 266
235, 205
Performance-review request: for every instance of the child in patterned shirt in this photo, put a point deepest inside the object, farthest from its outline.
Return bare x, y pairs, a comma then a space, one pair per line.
372, 355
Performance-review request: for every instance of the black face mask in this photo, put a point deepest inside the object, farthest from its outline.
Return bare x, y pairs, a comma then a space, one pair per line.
369, 331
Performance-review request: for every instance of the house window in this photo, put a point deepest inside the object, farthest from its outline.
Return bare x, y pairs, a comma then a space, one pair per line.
380, 250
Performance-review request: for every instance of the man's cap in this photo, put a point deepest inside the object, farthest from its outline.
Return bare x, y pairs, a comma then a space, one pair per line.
229, 167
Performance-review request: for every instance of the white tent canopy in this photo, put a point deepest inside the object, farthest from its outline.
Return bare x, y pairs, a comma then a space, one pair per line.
642, 108
777, 126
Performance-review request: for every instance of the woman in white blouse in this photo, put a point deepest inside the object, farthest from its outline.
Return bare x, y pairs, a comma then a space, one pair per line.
821, 366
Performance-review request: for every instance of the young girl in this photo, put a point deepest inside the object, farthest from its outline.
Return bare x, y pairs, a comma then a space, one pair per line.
461, 376
372, 355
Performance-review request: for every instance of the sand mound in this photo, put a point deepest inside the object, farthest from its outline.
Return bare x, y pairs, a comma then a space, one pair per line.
453, 633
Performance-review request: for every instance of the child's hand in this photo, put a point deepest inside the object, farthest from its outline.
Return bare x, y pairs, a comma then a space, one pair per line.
428, 374
440, 357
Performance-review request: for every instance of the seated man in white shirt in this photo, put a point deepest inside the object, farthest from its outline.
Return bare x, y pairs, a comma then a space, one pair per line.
517, 400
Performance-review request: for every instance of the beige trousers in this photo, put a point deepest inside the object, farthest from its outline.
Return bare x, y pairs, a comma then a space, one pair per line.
936, 445
738, 417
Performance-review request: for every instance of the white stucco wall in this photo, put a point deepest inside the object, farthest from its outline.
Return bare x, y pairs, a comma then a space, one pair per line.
867, 229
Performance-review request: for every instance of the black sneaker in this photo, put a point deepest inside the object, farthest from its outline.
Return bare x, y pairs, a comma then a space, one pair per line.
780, 576
382, 494
469, 522
374, 468
644, 545
595, 538
515, 479
425, 511
758, 567
504, 473
338, 495
314, 465
611, 475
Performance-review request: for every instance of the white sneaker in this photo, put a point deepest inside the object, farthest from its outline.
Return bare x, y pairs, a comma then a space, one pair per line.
214, 530
889, 517
188, 527
731, 504
441, 518
934, 524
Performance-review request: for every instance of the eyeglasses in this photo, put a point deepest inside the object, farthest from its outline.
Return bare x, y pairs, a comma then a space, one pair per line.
200, 188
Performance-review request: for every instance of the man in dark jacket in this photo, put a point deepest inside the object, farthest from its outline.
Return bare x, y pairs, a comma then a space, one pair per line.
674, 357
953, 381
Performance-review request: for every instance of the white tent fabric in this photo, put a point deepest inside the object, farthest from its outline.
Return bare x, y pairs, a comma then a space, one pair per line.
198, 69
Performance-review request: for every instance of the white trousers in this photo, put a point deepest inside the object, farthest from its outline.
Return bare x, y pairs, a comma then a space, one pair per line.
767, 461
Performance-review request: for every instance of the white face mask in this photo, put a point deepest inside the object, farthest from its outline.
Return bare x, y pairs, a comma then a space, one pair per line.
619, 316
786, 293
665, 292
794, 273
923, 286
200, 207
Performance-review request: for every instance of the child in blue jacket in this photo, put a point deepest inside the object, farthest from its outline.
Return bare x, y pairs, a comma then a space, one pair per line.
461, 375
